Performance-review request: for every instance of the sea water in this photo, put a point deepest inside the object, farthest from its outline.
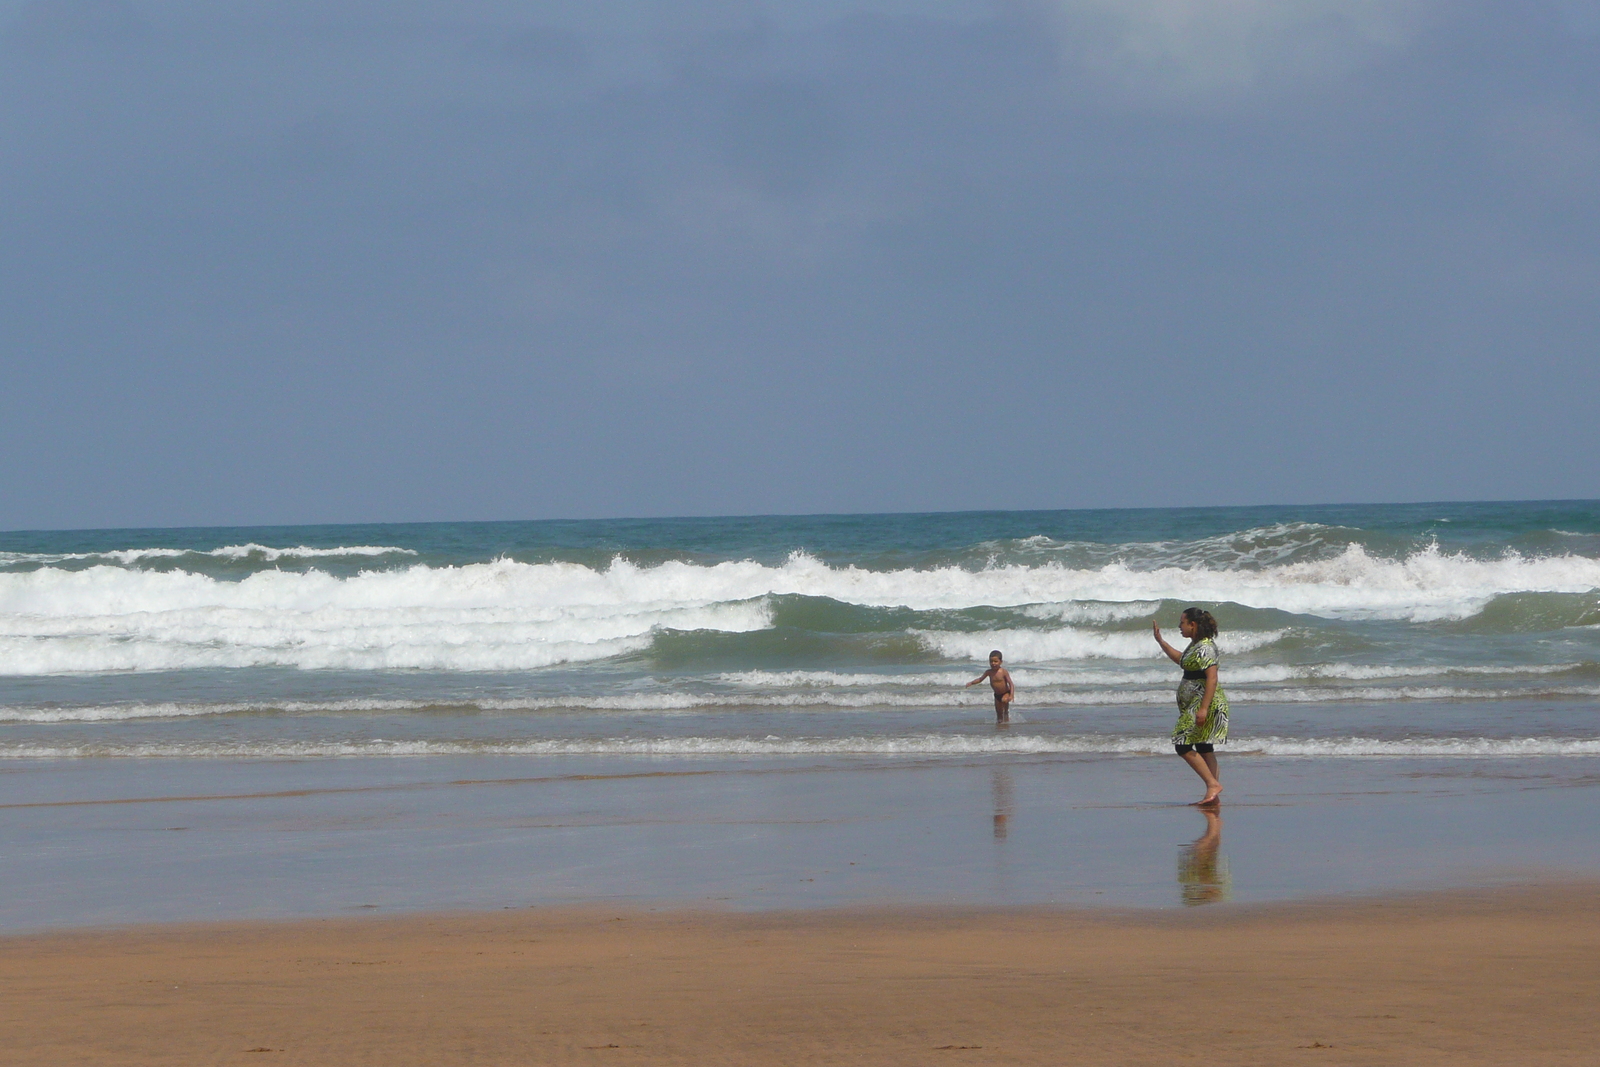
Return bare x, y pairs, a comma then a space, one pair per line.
772, 710
1347, 632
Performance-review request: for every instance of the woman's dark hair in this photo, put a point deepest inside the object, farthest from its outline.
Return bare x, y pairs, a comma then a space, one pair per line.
1204, 624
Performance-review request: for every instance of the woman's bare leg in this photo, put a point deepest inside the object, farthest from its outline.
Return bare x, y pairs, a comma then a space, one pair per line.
1202, 767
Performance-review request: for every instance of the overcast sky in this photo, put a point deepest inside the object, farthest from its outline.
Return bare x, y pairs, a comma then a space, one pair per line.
277, 261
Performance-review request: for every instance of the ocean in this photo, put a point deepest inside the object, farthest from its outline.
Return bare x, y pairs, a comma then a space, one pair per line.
771, 711
1348, 632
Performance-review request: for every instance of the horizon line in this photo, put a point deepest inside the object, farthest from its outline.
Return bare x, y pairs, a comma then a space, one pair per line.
788, 515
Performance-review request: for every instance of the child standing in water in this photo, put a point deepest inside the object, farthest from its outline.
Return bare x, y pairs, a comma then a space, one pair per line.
1004, 691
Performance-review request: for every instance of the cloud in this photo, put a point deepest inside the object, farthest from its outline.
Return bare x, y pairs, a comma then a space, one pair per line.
1176, 49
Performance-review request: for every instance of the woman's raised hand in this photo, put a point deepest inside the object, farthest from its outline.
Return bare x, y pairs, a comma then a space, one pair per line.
1171, 653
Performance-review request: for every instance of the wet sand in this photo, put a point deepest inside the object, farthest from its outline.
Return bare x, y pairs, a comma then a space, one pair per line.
1488, 976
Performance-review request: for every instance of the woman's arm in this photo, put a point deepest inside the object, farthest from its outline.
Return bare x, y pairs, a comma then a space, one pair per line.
1173, 654
1204, 710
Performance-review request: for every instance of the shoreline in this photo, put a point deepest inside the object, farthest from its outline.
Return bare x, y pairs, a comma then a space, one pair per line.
1463, 976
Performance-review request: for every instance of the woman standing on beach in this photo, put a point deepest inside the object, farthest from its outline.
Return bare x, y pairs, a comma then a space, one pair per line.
1202, 705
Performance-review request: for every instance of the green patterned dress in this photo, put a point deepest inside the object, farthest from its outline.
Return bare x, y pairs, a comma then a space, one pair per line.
1197, 657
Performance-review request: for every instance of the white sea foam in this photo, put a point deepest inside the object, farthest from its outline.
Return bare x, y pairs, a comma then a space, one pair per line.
836, 679
1379, 694
1037, 677
1257, 547
1093, 612
265, 553
497, 616
1372, 672
923, 746
1446, 747
113, 713
1429, 584
841, 698
351, 640
506, 615
1071, 643
950, 696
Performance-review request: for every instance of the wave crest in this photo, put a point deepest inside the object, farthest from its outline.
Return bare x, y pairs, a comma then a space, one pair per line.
509, 615
251, 551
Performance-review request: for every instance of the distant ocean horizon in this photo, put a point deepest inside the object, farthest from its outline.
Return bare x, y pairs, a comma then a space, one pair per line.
1449, 629
694, 517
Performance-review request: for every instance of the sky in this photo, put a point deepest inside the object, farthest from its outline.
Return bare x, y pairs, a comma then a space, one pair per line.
295, 261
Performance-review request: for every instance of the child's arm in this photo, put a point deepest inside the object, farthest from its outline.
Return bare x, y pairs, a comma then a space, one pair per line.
1011, 688
979, 678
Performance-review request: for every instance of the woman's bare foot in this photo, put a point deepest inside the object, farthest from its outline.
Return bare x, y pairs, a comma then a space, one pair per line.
1212, 799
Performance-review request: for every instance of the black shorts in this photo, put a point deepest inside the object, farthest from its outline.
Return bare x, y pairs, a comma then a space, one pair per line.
1202, 748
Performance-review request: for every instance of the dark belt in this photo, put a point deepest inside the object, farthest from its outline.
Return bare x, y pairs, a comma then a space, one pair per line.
1193, 676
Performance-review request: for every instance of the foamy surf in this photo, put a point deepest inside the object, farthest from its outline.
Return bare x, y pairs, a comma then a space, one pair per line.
1037, 677
920, 746
504, 615
1068, 643
857, 633
841, 698
252, 551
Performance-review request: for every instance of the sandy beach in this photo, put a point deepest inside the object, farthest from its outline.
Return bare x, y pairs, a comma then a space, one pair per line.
1482, 976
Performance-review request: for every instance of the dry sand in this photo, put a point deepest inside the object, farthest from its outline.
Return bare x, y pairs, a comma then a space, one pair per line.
1485, 977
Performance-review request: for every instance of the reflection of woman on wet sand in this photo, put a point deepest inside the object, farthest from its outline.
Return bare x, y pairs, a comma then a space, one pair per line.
1202, 705
1202, 872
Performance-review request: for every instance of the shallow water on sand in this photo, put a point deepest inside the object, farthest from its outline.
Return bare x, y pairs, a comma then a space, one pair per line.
178, 840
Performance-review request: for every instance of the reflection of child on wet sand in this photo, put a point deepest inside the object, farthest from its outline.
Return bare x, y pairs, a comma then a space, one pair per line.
1004, 691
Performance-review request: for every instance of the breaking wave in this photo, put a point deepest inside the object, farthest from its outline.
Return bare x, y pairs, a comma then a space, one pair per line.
508, 615
1070, 644
252, 551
